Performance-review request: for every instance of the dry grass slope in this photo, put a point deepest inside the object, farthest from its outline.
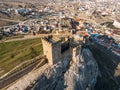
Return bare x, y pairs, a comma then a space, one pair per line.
16, 52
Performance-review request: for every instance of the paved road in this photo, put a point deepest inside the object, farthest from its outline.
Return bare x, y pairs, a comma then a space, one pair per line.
17, 21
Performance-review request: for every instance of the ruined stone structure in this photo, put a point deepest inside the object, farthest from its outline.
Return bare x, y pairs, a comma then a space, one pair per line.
56, 49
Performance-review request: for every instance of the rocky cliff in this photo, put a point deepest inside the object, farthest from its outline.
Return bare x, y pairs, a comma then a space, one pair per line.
78, 74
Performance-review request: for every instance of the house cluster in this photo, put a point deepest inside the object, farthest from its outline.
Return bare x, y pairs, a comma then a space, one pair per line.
14, 30
38, 26
103, 8
106, 42
58, 16
14, 11
27, 12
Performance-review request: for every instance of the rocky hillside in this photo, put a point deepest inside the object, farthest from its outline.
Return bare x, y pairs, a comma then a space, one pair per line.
109, 66
79, 74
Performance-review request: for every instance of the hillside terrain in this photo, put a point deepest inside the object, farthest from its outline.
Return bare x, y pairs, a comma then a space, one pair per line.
16, 52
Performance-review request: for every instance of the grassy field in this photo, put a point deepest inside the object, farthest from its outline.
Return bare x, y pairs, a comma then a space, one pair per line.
16, 52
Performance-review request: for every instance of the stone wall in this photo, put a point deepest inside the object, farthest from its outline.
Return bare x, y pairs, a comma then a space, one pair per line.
53, 51
47, 50
56, 52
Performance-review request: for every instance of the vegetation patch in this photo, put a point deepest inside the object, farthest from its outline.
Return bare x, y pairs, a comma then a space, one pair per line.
17, 52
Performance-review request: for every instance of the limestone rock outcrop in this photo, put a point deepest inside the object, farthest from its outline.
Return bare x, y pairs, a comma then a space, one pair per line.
79, 74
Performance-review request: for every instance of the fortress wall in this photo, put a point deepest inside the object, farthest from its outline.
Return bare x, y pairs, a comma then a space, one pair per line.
76, 52
47, 49
56, 52
67, 53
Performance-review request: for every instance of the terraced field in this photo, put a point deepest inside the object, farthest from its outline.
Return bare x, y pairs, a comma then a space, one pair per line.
16, 52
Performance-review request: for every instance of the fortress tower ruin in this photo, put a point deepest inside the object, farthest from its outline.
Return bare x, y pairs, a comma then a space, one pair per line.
56, 49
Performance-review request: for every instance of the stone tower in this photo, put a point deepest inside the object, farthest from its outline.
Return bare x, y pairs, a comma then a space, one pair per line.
52, 50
